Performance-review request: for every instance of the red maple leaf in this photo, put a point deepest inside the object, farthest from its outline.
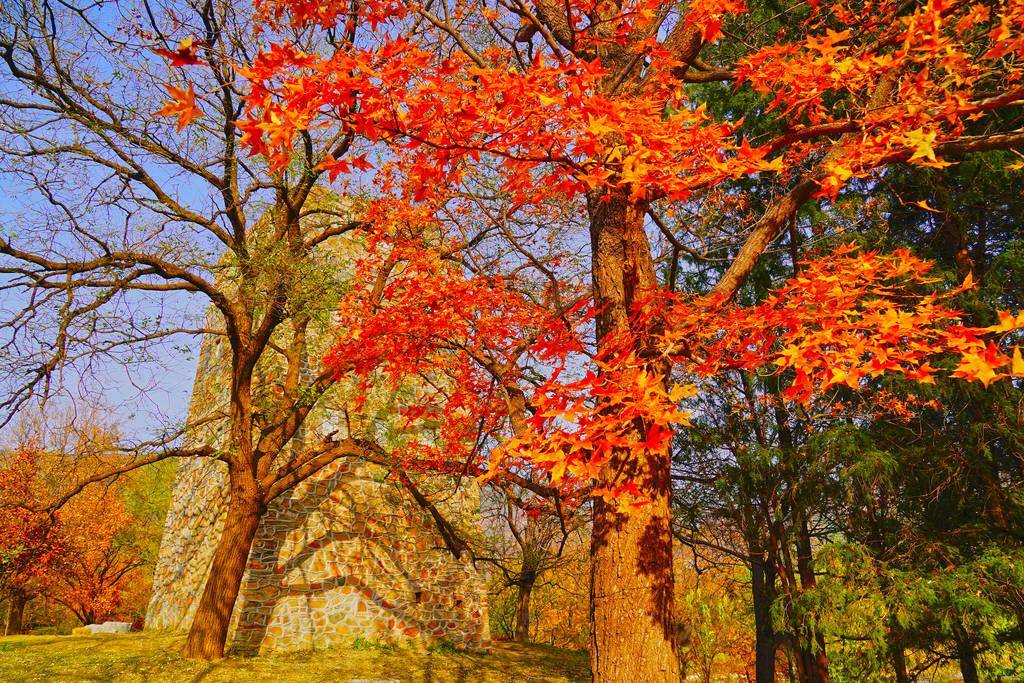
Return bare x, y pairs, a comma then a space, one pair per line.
184, 55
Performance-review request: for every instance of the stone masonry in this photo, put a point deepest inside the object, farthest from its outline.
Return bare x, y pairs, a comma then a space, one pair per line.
346, 554
341, 556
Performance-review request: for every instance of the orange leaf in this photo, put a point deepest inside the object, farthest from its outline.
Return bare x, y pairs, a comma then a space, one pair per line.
981, 366
924, 205
183, 105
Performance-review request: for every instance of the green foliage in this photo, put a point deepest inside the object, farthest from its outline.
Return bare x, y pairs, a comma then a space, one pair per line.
910, 496
362, 644
147, 498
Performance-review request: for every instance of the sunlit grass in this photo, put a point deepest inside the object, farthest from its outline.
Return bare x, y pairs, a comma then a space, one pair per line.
155, 657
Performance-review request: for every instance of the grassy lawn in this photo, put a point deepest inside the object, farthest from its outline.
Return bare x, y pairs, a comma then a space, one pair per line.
155, 657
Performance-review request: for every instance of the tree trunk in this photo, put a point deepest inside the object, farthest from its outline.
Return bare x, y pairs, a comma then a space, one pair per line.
899, 663
16, 614
632, 583
802, 659
209, 629
817, 658
897, 653
765, 642
966, 654
790, 670
800, 640
522, 632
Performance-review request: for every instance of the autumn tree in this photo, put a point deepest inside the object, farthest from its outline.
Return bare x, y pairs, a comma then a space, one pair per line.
603, 102
101, 564
718, 632
82, 555
30, 544
599, 104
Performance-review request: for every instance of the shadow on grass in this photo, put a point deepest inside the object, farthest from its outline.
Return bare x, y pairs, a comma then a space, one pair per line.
201, 676
156, 658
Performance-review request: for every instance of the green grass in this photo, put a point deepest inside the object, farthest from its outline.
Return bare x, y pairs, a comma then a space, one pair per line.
156, 657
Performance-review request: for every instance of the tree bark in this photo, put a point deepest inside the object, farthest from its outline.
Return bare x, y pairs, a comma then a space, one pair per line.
817, 658
899, 662
525, 587
966, 654
632, 582
16, 614
209, 630
765, 642
896, 649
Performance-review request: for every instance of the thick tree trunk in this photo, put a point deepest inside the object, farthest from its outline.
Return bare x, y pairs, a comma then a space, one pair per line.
209, 629
525, 587
765, 650
16, 614
632, 582
632, 585
765, 642
968, 657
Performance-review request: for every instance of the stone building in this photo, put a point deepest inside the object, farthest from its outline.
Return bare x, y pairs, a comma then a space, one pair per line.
346, 554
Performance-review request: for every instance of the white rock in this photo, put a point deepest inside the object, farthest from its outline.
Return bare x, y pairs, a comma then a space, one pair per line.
111, 627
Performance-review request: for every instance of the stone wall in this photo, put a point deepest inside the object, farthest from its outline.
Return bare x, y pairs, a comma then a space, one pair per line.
345, 554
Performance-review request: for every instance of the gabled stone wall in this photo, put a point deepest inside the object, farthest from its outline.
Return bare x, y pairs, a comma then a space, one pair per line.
345, 554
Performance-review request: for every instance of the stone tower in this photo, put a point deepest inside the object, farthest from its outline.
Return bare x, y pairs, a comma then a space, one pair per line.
346, 554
